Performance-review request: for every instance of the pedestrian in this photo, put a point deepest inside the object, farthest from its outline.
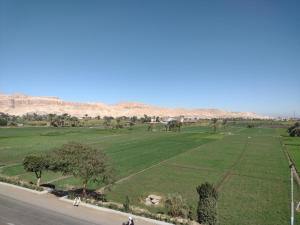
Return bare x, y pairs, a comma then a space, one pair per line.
130, 221
77, 201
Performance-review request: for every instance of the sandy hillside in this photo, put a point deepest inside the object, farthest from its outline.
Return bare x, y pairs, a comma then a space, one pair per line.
22, 104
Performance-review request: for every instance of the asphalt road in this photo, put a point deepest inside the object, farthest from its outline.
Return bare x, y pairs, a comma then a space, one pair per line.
15, 212
22, 207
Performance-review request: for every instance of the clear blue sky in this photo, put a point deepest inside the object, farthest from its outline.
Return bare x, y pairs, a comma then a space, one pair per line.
233, 55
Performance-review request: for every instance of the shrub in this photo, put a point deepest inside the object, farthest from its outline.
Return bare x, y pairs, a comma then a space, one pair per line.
176, 206
294, 130
250, 125
126, 204
3, 122
207, 205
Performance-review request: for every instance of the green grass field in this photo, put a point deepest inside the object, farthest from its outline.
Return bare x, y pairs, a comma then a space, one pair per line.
292, 145
247, 166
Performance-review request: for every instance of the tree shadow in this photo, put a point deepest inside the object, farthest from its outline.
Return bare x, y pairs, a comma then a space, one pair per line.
90, 194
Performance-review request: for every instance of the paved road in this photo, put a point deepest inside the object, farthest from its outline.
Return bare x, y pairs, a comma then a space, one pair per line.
21, 207
19, 213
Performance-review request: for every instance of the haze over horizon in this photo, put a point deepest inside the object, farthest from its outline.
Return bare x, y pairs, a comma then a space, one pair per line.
231, 55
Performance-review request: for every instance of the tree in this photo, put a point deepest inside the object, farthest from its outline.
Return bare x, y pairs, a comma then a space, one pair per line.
207, 205
131, 124
82, 161
3, 122
176, 125
133, 119
74, 121
118, 121
146, 119
150, 127
294, 130
224, 123
107, 121
3, 119
214, 122
173, 125
250, 125
36, 164
51, 116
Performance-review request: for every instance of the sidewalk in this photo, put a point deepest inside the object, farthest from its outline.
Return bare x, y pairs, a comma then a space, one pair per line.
91, 214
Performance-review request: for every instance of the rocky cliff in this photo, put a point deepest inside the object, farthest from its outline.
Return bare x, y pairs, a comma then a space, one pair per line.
22, 104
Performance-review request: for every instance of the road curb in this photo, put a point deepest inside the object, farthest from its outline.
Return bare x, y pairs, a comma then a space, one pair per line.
25, 189
103, 209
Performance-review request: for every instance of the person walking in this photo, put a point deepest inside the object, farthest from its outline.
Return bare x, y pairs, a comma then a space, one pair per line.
130, 221
76, 201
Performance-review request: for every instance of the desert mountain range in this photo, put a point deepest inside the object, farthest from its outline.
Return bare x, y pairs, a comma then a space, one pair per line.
19, 104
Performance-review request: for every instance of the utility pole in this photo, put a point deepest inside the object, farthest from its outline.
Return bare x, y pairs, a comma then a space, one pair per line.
292, 194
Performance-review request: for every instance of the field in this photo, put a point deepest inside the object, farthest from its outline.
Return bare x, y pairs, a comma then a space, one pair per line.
292, 145
247, 165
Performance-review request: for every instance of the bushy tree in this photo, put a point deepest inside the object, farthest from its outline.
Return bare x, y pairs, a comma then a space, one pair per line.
82, 161
118, 123
173, 125
294, 130
146, 119
36, 164
250, 125
134, 119
4, 118
214, 123
3, 122
107, 121
176, 206
207, 205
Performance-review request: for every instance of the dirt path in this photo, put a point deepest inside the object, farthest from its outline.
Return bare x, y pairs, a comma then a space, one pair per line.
59, 178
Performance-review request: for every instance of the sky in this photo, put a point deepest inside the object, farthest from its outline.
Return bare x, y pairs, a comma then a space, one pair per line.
232, 55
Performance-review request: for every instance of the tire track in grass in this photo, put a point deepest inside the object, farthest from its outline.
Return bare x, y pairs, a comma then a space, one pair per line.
59, 178
191, 167
148, 168
216, 170
8, 165
260, 178
159, 163
229, 172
